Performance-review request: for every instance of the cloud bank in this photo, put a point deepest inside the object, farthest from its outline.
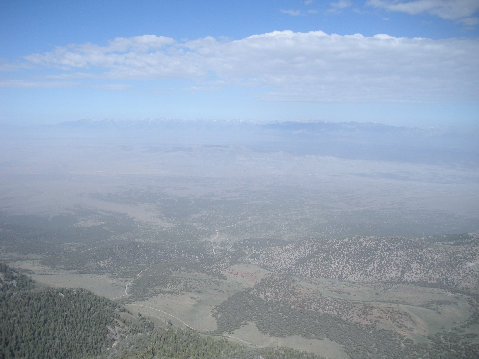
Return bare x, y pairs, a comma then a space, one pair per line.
285, 65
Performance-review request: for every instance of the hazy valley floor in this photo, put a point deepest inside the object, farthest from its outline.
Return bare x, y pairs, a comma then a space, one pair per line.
344, 258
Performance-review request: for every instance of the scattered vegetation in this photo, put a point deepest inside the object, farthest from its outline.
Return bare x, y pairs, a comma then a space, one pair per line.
194, 254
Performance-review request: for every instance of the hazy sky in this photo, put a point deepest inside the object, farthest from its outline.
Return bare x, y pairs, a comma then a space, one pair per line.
413, 62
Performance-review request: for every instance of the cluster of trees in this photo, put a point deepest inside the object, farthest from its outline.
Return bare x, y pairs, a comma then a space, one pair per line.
12, 281
187, 344
280, 320
278, 317
184, 344
52, 323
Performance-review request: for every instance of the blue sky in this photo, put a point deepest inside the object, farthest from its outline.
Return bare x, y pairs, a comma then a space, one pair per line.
412, 63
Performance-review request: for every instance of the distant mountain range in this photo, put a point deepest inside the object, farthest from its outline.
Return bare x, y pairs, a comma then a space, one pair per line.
353, 140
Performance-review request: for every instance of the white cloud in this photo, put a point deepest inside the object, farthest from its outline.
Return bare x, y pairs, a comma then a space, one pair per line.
470, 21
291, 12
135, 57
462, 10
308, 2
286, 65
11, 67
113, 87
341, 4
35, 84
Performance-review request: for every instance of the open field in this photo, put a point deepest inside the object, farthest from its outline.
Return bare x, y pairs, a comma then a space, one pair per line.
102, 285
249, 333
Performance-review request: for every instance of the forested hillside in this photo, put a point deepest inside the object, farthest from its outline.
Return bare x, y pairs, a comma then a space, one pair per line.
75, 323
54, 323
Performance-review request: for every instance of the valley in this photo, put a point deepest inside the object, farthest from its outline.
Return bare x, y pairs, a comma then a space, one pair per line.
335, 257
